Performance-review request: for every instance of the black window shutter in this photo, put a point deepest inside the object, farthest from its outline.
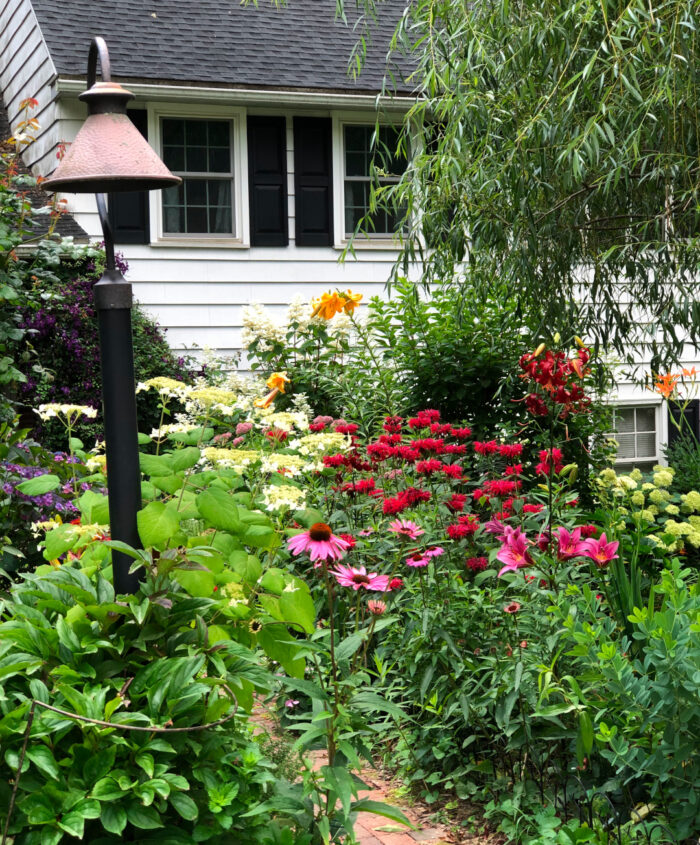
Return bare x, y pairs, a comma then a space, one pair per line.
691, 421
313, 181
267, 175
128, 210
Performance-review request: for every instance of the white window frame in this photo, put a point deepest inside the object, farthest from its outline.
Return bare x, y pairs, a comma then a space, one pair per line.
632, 404
371, 241
240, 215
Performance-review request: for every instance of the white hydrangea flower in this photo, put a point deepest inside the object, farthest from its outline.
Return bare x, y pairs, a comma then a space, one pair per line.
70, 412
283, 497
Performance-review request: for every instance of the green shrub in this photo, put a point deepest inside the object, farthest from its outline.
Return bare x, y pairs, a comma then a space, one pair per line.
66, 641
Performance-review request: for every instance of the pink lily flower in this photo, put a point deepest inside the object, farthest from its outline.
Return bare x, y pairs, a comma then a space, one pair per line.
514, 553
570, 544
600, 551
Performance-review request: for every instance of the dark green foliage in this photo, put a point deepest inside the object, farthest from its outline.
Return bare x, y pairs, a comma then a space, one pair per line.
65, 641
61, 335
684, 456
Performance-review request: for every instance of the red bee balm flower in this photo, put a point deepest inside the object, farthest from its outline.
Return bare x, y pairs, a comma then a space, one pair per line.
320, 542
358, 578
396, 584
477, 564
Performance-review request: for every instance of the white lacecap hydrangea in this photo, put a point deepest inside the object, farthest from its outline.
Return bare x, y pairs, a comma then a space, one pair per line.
70, 412
283, 497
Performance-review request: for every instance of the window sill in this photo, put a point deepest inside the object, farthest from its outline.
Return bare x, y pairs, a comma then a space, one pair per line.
200, 243
371, 244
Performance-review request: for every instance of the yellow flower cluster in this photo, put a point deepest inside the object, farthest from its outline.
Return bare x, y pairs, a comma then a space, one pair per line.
211, 398
236, 459
281, 462
165, 386
288, 420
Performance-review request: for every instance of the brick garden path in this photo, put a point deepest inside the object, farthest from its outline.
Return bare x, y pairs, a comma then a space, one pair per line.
378, 830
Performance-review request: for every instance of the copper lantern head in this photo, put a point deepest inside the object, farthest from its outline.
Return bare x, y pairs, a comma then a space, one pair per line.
108, 153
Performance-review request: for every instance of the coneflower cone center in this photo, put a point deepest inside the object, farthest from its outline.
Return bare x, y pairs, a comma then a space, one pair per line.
360, 579
320, 531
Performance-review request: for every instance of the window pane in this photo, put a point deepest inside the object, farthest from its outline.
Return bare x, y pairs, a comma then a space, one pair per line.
646, 445
174, 219
219, 133
624, 419
174, 157
357, 138
356, 165
173, 131
219, 160
196, 159
174, 195
220, 221
196, 192
625, 446
646, 419
196, 132
197, 219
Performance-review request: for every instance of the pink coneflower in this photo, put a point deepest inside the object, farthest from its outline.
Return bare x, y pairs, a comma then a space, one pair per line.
434, 551
320, 542
406, 528
366, 532
570, 544
376, 607
513, 607
417, 560
357, 577
600, 551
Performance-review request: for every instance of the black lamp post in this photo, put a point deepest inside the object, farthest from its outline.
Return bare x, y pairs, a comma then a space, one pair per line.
110, 154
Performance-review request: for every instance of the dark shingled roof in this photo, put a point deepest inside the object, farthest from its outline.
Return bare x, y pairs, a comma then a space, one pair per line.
299, 46
66, 225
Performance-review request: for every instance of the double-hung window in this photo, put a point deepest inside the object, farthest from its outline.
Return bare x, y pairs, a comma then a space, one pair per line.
363, 148
635, 435
201, 152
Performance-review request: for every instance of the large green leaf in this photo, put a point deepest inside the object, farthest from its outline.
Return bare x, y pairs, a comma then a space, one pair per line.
297, 606
39, 485
94, 507
219, 509
156, 465
156, 524
186, 458
379, 808
113, 819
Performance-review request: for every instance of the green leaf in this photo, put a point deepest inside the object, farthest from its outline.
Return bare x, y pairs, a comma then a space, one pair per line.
60, 540
39, 485
44, 760
219, 509
261, 537
156, 465
144, 818
309, 517
113, 819
94, 507
186, 458
198, 583
274, 581
379, 808
156, 524
184, 805
168, 483
297, 606
107, 789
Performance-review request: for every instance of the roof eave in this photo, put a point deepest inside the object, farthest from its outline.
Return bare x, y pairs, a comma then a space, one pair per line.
195, 92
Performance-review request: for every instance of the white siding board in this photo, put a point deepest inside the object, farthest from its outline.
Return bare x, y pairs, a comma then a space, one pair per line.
26, 70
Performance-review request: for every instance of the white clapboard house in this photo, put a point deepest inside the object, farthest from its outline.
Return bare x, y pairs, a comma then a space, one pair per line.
254, 108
